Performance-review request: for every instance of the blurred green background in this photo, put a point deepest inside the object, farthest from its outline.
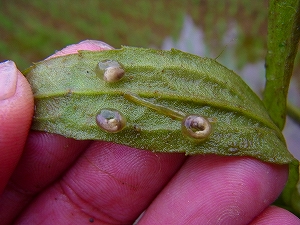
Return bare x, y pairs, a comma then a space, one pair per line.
32, 30
233, 30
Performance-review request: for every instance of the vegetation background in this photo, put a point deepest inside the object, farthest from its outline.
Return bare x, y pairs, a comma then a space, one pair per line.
233, 30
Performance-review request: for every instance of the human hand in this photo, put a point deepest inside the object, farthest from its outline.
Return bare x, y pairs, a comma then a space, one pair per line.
65, 181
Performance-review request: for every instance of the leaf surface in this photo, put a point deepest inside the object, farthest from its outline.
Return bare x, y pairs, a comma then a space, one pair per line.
69, 94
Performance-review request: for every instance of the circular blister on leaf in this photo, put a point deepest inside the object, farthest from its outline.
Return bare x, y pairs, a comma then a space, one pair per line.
196, 127
110, 70
111, 120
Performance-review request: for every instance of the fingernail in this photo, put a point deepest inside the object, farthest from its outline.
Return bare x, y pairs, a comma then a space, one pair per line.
8, 79
97, 43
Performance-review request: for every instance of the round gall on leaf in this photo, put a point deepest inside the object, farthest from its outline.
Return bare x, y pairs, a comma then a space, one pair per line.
110, 70
196, 127
111, 120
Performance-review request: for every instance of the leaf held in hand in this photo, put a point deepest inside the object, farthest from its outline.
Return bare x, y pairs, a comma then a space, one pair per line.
157, 92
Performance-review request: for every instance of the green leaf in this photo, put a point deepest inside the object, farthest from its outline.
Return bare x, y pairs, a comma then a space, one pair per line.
158, 91
283, 40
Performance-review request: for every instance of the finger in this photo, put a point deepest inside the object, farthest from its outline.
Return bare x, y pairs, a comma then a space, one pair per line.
16, 110
50, 152
109, 184
276, 216
217, 190
45, 157
91, 45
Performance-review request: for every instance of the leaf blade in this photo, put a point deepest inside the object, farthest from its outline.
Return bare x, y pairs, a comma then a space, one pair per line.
69, 94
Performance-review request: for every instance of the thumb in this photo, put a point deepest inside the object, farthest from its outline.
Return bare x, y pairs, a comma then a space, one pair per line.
16, 110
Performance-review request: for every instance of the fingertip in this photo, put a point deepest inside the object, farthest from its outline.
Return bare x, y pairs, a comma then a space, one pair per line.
229, 190
16, 110
275, 215
90, 45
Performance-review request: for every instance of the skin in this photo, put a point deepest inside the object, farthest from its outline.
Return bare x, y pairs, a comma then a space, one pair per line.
46, 178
